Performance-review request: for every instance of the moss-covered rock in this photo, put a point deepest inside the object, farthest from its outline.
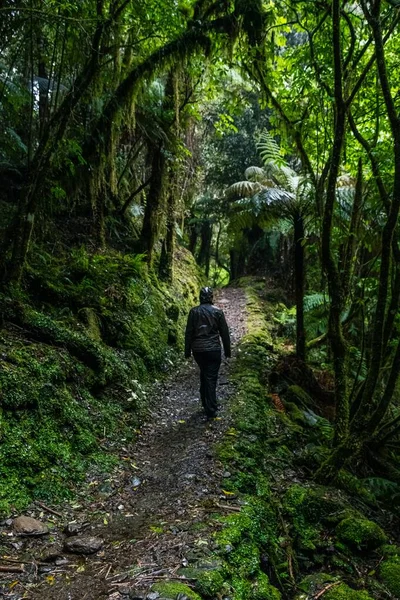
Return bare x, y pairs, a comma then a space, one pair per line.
389, 574
344, 592
316, 503
208, 575
360, 533
171, 590
315, 583
309, 508
295, 413
297, 395
312, 584
209, 583
391, 550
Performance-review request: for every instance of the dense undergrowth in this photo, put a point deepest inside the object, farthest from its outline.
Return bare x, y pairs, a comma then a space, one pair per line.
77, 346
292, 537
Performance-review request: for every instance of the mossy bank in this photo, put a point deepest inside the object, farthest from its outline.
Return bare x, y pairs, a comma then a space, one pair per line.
291, 538
77, 345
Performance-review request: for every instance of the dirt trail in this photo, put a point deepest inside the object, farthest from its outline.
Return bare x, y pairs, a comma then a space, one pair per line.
153, 519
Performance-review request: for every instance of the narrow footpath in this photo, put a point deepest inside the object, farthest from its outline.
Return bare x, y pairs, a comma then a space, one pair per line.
152, 514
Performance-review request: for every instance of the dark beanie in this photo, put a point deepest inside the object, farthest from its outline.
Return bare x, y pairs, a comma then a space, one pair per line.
206, 295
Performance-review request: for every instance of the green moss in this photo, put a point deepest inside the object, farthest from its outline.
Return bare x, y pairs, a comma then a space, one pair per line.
349, 482
298, 396
313, 584
295, 413
344, 592
171, 590
360, 533
309, 507
263, 590
316, 503
391, 550
245, 559
209, 583
389, 573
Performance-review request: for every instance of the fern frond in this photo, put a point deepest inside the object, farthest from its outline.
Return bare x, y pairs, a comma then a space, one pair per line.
16, 140
255, 174
381, 488
275, 196
243, 189
240, 221
269, 149
312, 301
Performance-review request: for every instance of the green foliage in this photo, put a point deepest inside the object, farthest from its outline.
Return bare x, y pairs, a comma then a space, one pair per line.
263, 590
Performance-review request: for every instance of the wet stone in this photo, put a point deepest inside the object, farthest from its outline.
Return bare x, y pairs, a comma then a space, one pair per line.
28, 526
83, 545
73, 528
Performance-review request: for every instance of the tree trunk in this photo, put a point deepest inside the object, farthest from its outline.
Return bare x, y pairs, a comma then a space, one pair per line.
205, 245
151, 219
168, 247
299, 285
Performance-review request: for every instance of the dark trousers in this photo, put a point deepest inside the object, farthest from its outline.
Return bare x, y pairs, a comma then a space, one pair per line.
209, 363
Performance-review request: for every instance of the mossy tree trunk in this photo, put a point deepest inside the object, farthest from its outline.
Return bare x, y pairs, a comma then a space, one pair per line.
152, 213
298, 222
167, 254
168, 247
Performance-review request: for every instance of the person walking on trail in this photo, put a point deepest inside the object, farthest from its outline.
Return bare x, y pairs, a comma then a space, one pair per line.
205, 325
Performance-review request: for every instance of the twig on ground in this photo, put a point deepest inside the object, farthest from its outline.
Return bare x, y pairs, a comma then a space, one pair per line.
10, 569
50, 510
328, 587
23, 562
108, 572
226, 507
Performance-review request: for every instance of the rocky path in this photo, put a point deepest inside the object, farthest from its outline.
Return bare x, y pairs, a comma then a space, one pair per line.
151, 516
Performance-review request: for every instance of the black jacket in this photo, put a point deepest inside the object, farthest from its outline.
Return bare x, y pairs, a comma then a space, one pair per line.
205, 324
